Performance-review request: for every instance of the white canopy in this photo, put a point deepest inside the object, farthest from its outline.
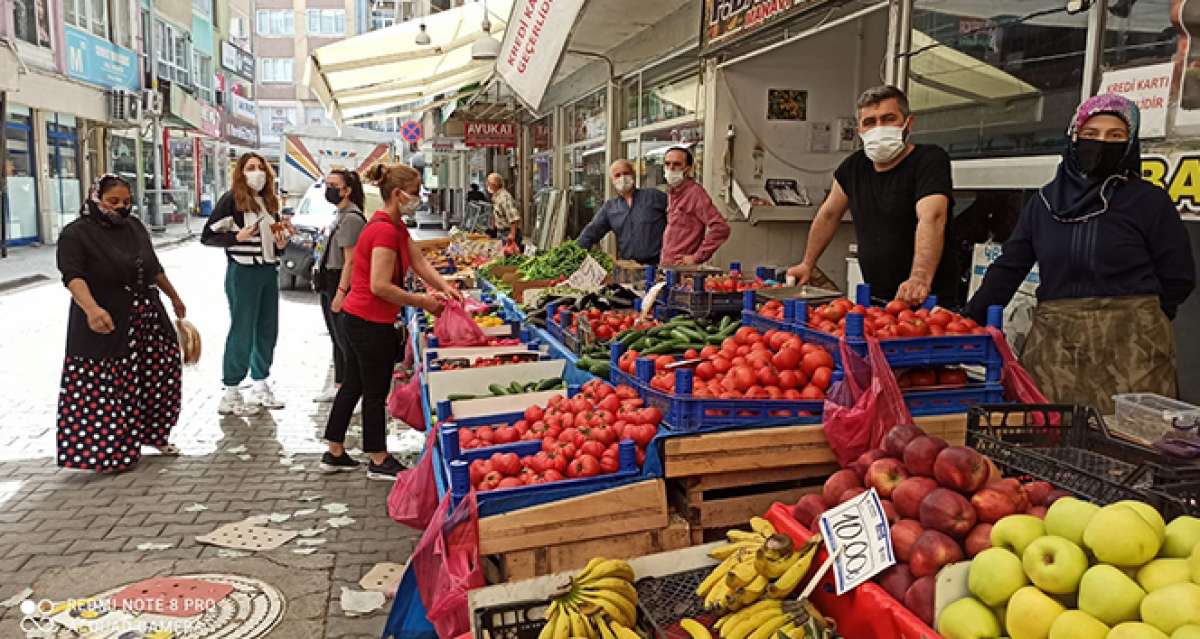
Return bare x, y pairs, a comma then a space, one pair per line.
359, 77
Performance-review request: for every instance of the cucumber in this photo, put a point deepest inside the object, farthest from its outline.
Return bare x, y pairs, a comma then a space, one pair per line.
641, 344
714, 340
680, 335
664, 347
497, 389
529, 387
725, 322
549, 384
515, 388
604, 369
458, 397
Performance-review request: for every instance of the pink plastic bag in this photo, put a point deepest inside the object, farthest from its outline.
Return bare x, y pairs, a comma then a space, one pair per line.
413, 499
446, 562
1018, 384
454, 327
404, 402
864, 406
473, 306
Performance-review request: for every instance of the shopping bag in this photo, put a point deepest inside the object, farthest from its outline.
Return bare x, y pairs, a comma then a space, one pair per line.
413, 498
447, 565
454, 327
404, 402
864, 406
1018, 384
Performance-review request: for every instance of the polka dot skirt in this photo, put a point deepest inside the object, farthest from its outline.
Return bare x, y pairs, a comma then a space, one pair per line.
109, 408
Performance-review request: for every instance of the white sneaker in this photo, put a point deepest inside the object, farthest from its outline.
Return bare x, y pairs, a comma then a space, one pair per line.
232, 403
326, 397
261, 395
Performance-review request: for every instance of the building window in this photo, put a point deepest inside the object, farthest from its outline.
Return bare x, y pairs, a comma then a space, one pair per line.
174, 51
276, 120
315, 115
275, 70
199, 7
587, 118
327, 22
995, 85
89, 15
381, 20
122, 24
239, 31
32, 21
202, 66
276, 22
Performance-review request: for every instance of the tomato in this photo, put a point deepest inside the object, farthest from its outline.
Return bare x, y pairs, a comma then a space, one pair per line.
603, 332
759, 359
555, 400
908, 329
651, 416
822, 377
705, 371
787, 359
570, 435
774, 392
833, 313
507, 464
510, 482
641, 434
739, 361
479, 468
592, 447
567, 420
506, 435
709, 352
609, 464
756, 392
743, 377
815, 360
921, 377
895, 307
778, 340
791, 379
791, 393
766, 376
534, 413
811, 392
626, 392
661, 362
691, 353
551, 475
956, 328
951, 377
490, 481
584, 466
934, 329
746, 336
941, 318
906, 316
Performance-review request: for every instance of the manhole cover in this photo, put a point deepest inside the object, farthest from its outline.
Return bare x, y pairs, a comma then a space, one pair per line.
250, 611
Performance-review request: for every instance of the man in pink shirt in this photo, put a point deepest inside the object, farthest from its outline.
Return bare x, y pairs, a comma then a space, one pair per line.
695, 228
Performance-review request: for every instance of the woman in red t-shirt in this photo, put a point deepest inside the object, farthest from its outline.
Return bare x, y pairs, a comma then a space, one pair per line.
382, 257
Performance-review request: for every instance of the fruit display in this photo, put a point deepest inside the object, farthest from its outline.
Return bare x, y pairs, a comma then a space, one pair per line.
488, 321
747, 365
515, 388
896, 320
1084, 572
599, 603
944, 503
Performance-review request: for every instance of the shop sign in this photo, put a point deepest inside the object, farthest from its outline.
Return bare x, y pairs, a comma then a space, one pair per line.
496, 135
1149, 87
242, 108
98, 61
726, 20
239, 132
1180, 178
533, 44
210, 121
444, 144
237, 60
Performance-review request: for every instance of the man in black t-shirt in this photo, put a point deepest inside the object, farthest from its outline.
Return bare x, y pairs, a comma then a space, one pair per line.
900, 194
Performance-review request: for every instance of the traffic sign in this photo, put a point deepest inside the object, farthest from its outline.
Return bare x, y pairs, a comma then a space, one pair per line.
412, 131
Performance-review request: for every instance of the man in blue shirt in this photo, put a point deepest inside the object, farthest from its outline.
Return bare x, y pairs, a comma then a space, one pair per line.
638, 217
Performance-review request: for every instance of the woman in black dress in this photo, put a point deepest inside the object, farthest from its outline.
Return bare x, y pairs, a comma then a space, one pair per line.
121, 378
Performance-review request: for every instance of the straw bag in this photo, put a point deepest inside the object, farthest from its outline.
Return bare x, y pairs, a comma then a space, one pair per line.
189, 341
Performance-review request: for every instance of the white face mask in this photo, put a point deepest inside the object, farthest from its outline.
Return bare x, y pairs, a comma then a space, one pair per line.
883, 143
623, 183
674, 178
255, 179
410, 205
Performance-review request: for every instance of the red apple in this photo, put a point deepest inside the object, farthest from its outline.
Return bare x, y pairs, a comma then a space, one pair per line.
1054, 496
979, 539
992, 505
850, 493
960, 468
889, 511
919, 599
808, 509
896, 580
1037, 511
920, 454
838, 483
904, 534
865, 460
899, 437
1016, 491
884, 475
994, 474
909, 494
931, 551
949, 512
1038, 491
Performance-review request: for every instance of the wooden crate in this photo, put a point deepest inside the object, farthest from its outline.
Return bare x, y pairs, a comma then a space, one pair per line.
518, 565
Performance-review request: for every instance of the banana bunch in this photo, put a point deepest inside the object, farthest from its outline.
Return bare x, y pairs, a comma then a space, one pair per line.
488, 321
775, 619
600, 603
755, 565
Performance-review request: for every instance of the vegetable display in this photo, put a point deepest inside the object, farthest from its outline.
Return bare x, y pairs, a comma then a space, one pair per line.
561, 261
896, 320
515, 388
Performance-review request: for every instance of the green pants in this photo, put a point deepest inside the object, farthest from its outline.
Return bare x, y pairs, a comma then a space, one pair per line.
253, 293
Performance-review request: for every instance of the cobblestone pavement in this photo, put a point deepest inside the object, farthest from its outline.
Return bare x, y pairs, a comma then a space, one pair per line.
72, 535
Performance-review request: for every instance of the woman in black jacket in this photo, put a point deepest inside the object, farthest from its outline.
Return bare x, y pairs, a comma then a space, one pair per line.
122, 375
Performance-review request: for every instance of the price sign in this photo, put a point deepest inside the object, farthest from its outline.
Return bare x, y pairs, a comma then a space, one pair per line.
858, 538
589, 277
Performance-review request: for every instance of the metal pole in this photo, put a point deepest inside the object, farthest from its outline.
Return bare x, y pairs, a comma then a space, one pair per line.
140, 187
3, 174
156, 206
1093, 53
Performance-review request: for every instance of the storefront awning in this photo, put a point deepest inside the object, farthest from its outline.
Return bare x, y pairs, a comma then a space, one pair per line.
943, 78
8, 68
378, 71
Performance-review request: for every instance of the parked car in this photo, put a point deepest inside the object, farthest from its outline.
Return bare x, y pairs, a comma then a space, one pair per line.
312, 218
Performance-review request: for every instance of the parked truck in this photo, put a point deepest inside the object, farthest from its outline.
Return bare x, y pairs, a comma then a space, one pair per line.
308, 154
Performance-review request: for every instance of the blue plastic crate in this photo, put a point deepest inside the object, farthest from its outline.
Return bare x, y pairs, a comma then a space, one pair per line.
573, 374
922, 403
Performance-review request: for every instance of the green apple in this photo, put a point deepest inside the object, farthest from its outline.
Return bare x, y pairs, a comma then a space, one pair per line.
1031, 613
1133, 630
1076, 624
1150, 514
1110, 595
1163, 572
1068, 517
1186, 632
1183, 534
1119, 535
1054, 564
1172, 606
968, 619
995, 575
1015, 532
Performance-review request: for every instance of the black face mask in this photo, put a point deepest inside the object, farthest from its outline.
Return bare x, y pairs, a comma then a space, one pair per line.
333, 194
1099, 159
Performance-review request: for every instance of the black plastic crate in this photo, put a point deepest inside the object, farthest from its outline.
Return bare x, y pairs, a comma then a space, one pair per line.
1179, 499
523, 620
1170, 469
665, 601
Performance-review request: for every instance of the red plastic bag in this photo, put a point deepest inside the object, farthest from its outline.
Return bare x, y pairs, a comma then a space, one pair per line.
1018, 384
864, 406
404, 402
413, 499
454, 327
446, 562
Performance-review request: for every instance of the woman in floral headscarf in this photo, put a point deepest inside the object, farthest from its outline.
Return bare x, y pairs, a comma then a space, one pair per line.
121, 379
1115, 265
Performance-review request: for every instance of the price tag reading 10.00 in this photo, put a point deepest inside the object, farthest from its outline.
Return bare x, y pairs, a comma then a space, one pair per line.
857, 535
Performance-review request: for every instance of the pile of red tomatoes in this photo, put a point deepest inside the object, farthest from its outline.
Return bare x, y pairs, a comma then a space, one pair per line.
892, 321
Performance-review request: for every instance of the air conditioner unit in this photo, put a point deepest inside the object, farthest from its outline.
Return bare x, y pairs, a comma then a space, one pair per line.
118, 105
152, 102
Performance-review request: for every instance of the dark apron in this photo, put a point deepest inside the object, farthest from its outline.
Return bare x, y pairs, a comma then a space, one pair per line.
1084, 351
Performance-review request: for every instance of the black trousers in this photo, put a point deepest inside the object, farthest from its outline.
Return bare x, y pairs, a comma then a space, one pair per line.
370, 360
332, 278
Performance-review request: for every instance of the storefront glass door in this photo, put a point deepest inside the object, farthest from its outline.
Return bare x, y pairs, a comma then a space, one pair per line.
62, 144
22, 178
